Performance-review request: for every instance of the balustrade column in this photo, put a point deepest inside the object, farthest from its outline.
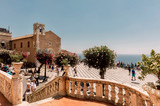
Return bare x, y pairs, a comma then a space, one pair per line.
73, 87
106, 91
67, 86
149, 103
133, 98
113, 93
120, 95
140, 100
16, 87
127, 97
62, 88
91, 89
98, 90
84, 89
78, 88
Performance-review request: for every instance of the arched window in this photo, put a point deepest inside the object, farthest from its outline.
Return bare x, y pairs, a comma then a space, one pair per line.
28, 44
21, 44
14, 46
3, 43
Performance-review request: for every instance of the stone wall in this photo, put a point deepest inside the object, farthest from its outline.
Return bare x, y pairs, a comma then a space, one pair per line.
11, 87
5, 85
25, 48
50, 41
6, 38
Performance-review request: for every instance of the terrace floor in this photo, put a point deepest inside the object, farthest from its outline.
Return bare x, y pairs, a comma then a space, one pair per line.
67, 101
4, 101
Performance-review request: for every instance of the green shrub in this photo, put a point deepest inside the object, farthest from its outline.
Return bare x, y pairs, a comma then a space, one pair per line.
150, 65
99, 58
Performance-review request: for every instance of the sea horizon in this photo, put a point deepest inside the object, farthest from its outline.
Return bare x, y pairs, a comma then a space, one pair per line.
126, 58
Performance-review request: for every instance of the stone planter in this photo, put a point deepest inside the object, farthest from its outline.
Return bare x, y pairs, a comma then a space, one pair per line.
153, 93
66, 69
17, 67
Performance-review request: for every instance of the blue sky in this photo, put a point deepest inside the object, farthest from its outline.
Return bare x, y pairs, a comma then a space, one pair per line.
126, 26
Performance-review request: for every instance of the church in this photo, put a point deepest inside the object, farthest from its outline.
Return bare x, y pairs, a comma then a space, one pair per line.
40, 39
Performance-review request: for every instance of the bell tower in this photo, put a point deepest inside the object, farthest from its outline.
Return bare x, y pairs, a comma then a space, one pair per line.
39, 28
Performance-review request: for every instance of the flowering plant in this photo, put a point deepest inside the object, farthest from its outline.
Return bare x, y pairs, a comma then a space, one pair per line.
99, 58
65, 58
150, 65
18, 56
44, 56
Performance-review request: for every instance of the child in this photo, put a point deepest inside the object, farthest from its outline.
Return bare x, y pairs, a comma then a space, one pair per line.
133, 74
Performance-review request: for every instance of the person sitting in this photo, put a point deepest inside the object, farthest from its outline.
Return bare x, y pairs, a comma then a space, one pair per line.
10, 73
32, 76
5, 68
28, 88
33, 85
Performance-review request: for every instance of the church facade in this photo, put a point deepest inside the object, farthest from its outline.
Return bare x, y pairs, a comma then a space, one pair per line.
40, 39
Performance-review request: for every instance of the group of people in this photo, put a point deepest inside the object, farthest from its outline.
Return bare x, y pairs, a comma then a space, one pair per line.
7, 68
54, 68
123, 65
131, 68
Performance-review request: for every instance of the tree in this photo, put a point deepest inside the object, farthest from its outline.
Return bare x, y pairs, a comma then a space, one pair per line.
66, 58
4, 56
44, 57
150, 65
99, 58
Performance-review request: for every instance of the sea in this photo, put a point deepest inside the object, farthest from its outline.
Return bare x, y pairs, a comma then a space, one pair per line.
125, 58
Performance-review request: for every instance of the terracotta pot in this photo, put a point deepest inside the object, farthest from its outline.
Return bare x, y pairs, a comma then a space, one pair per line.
153, 93
17, 66
66, 68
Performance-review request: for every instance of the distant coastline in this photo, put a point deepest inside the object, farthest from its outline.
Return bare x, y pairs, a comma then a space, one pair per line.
126, 58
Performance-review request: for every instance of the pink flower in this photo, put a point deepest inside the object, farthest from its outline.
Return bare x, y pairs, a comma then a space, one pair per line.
155, 63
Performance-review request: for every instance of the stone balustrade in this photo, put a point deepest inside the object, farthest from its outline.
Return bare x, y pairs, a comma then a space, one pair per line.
5, 85
91, 89
106, 91
50, 89
11, 87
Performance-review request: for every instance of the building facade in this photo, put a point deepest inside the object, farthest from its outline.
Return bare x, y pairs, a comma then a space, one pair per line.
33, 42
5, 39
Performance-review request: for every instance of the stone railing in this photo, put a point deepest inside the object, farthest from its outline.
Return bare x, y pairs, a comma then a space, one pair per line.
91, 89
106, 91
53, 88
5, 85
11, 87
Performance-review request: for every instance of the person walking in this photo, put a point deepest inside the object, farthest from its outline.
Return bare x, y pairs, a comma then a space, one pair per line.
133, 74
52, 68
75, 71
129, 69
57, 70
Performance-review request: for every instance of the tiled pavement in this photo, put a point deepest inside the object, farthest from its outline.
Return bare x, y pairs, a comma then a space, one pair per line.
119, 75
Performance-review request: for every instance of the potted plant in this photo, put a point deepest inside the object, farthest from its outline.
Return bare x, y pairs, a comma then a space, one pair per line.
17, 59
151, 65
100, 58
66, 59
65, 63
